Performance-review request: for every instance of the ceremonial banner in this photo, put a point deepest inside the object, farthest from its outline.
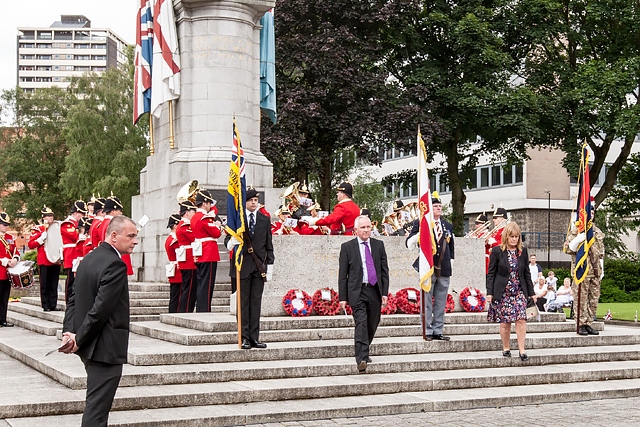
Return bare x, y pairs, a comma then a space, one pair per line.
584, 222
268, 66
236, 196
166, 56
426, 239
143, 60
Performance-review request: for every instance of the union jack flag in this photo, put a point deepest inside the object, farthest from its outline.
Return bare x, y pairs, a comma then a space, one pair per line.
166, 54
143, 60
236, 196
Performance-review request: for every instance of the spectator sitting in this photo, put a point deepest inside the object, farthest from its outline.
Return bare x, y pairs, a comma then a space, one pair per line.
541, 292
563, 297
552, 280
551, 296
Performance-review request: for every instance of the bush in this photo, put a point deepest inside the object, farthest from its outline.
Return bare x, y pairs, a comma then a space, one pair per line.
32, 255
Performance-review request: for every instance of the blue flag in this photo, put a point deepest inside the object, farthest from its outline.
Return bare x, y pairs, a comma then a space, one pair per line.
236, 196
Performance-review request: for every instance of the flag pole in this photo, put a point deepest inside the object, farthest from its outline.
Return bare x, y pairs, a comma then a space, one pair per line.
171, 140
238, 307
152, 148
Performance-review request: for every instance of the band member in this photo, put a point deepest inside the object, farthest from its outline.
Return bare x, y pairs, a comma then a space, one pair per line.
173, 272
480, 231
299, 208
94, 235
113, 207
184, 254
9, 257
257, 264
206, 229
311, 230
494, 237
70, 235
49, 272
279, 227
83, 228
400, 218
91, 206
340, 221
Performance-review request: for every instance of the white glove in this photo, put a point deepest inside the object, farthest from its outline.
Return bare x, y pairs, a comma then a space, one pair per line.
42, 238
491, 241
451, 262
573, 245
601, 268
309, 220
82, 237
232, 243
412, 242
4, 261
269, 272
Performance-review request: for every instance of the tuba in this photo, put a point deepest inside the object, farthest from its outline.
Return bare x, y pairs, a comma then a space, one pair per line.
391, 224
188, 192
291, 193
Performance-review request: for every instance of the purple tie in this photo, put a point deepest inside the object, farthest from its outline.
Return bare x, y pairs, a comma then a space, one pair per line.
371, 269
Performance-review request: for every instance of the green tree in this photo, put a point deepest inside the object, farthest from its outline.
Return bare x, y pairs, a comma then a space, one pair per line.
624, 200
32, 152
453, 59
583, 60
106, 151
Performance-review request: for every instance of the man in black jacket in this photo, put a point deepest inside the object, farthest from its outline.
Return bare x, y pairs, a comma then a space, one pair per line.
96, 322
363, 281
251, 278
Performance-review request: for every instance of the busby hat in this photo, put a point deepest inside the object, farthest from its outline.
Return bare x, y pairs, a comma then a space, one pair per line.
284, 210
500, 213
4, 218
79, 206
203, 196
85, 222
92, 200
314, 206
99, 204
397, 205
435, 198
303, 188
46, 211
187, 205
251, 193
481, 219
112, 204
346, 188
174, 219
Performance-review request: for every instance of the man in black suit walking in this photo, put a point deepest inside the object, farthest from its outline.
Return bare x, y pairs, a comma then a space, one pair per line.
256, 269
96, 322
363, 281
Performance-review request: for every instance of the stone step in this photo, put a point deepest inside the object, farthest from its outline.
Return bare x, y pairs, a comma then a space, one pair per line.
369, 387
148, 351
134, 302
164, 287
41, 326
35, 311
185, 336
211, 322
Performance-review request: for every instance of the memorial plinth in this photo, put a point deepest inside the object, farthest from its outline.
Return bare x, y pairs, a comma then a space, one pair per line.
311, 262
220, 79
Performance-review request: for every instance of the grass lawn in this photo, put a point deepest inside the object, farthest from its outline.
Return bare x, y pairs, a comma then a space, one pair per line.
619, 311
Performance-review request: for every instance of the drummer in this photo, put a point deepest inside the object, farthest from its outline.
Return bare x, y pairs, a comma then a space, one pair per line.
9, 257
49, 271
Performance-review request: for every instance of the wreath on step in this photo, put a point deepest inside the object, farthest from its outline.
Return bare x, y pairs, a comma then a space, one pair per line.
391, 307
408, 300
297, 303
325, 302
472, 300
449, 306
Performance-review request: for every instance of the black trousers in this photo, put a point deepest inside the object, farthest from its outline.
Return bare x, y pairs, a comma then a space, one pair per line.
68, 284
540, 303
251, 289
49, 276
206, 282
102, 383
174, 296
366, 314
5, 290
188, 290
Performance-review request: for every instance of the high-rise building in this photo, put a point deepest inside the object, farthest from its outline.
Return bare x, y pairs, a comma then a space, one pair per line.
50, 56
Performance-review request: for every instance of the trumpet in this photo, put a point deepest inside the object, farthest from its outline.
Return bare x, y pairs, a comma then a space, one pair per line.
478, 232
496, 228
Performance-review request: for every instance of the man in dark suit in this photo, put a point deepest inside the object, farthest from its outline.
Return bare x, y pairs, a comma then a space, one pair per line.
253, 275
363, 281
96, 322
442, 262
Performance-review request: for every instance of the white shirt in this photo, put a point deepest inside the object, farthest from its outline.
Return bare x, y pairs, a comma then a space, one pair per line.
534, 272
363, 258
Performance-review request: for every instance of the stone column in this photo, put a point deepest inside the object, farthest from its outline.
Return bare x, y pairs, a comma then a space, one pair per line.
220, 78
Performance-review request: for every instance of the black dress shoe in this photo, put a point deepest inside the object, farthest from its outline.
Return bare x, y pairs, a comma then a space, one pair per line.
362, 367
7, 324
591, 331
368, 359
441, 337
524, 357
46, 309
55, 309
582, 331
428, 338
246, 345
257, 344
506, 353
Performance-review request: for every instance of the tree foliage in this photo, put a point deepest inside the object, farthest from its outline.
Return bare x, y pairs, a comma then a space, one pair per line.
624, 200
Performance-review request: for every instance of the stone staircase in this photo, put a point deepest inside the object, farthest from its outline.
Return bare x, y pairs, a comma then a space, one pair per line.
187, 370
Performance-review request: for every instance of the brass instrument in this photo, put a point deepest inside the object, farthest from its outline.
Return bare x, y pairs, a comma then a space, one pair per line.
413, 209
390, 222
479, 232
188, 192
291, 193
497, 227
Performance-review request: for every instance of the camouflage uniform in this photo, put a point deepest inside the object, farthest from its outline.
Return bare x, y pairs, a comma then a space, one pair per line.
590, 288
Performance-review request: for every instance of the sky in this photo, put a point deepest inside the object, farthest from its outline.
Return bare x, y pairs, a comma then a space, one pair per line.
117, 15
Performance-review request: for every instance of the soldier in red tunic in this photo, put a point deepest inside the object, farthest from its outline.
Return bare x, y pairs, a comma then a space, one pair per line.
499, 221
93, 236
69, 233
206, 229
184, 255
83, 227
49, 271
279, 227
173, 272
113, 207
340, 221
9, 257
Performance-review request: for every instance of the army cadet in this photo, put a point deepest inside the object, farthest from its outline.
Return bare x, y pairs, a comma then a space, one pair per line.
184, 255
9, 257
49, 272
173, 272
494, 236
341, 220
69, 233
278, 227
94, 236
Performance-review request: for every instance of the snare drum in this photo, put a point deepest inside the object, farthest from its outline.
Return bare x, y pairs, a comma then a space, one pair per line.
21, 275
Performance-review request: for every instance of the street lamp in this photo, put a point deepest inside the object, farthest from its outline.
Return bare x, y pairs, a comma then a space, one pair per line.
548, 192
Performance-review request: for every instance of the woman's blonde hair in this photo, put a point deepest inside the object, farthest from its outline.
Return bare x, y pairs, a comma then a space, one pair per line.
510, 229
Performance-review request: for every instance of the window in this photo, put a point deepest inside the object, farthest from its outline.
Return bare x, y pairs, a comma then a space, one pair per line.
69, 57
507, 175
484, 177
43, 68
68, 67
99, 57
99, 46
56, 67
432, 182
26, 56
82, 57
495, 176
519, 174
82, 68
44, 57
26, 45
26, 68
98, 68
474, 179
43, 46
82, 46
44, 35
